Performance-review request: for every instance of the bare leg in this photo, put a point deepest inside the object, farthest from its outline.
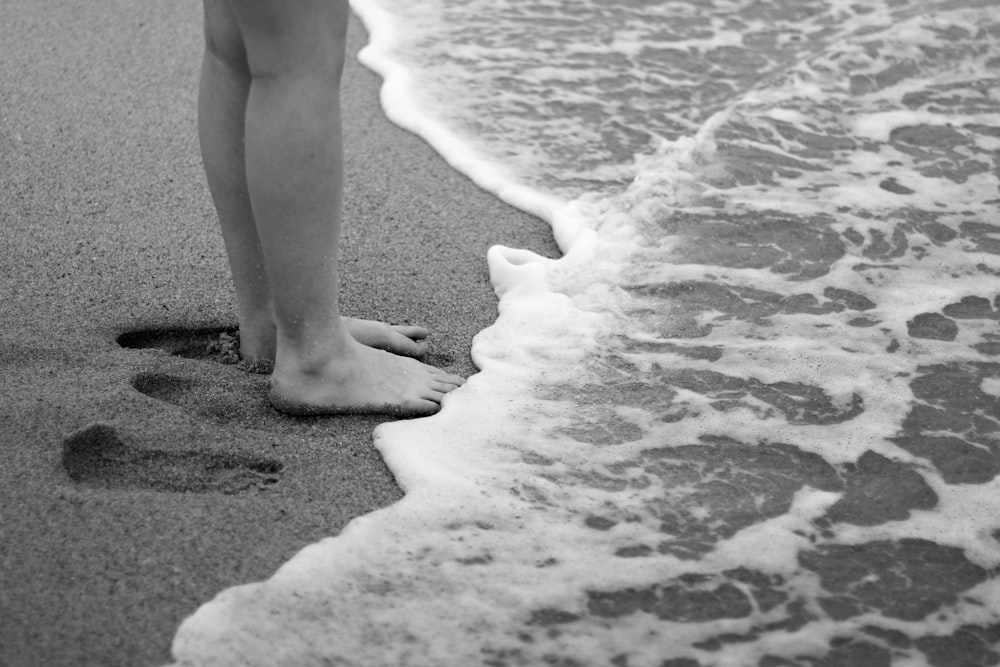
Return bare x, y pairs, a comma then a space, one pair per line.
222, 104
222, 100
294, 54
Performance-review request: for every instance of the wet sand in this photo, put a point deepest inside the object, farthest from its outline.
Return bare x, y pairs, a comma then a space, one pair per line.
135, 483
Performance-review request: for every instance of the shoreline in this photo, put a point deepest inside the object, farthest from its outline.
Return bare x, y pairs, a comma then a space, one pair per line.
117, 522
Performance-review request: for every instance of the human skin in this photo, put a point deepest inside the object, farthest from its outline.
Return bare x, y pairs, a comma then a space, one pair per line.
269, 127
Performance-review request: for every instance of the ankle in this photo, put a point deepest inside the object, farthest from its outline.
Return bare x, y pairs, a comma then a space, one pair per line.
311, 356
257, 341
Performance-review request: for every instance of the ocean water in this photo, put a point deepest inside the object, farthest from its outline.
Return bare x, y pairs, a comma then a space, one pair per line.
752, 415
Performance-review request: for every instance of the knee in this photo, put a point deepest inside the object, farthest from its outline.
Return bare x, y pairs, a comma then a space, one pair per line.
296, 39
327, 66
222, 35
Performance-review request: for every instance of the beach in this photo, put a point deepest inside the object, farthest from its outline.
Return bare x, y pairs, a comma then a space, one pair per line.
136, 484
746, 413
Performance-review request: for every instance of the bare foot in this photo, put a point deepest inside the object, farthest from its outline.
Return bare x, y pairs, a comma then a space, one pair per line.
257, 352
362, 380
403, 340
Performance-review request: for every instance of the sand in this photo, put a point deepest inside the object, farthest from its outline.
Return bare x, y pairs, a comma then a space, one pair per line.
135, 484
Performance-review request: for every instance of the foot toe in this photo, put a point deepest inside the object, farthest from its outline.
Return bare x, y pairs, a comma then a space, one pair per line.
453, 380
407, 341
411, 332
424, 407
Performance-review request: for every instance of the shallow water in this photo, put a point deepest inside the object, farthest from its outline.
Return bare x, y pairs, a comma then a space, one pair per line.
752, 416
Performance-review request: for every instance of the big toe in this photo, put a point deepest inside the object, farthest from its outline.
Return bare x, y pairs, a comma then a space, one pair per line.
446, 377
403, 345
423, 407
411, 332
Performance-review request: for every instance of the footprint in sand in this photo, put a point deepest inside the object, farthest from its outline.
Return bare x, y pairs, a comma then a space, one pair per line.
230, 398
218, 344
100, 456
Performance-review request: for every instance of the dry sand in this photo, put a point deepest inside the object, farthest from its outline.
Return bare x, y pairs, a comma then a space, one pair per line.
136, 484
